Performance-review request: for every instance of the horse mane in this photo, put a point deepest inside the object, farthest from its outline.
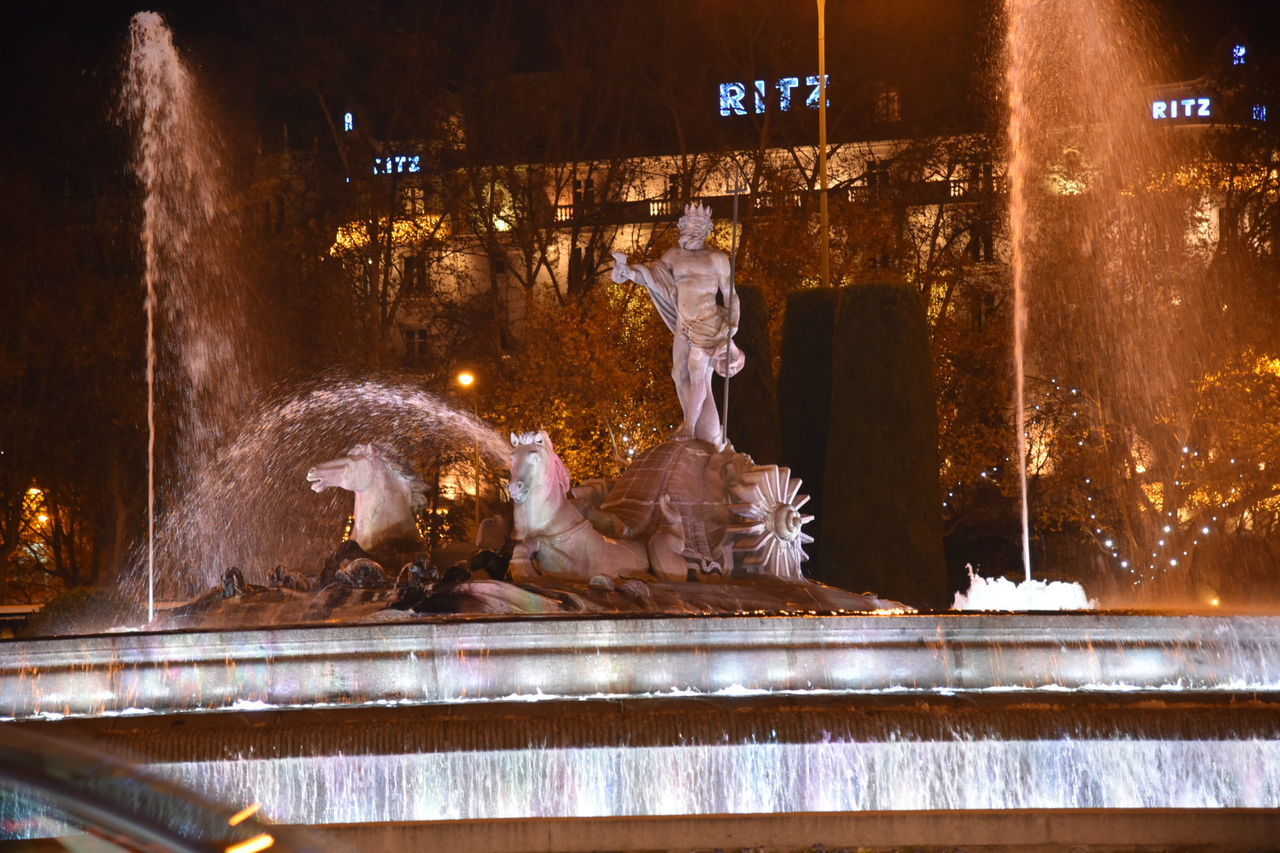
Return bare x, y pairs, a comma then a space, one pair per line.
559, 471
399, 466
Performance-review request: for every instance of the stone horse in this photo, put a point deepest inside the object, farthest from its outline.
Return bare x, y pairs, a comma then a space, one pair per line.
555, 539
387, 493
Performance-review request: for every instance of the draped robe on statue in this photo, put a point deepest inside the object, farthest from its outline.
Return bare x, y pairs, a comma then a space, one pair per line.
709, 333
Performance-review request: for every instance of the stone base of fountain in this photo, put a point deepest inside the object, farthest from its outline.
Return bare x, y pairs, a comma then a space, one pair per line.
277, 606
380, 728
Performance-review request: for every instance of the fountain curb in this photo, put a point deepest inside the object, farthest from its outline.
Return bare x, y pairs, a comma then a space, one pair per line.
458, 662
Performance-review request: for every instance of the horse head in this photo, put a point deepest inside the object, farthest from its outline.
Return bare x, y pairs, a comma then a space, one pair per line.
387, 491
366, 467
536, 470
353, 472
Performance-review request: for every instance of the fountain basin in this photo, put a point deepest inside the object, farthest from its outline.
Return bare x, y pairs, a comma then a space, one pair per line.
374, 727
486, 660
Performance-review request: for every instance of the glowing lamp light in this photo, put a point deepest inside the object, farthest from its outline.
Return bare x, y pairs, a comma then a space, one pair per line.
466, 379
1214, 602
252, 845
248, 811
348, 122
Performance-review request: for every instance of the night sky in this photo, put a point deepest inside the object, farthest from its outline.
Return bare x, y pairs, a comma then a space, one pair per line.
63, 57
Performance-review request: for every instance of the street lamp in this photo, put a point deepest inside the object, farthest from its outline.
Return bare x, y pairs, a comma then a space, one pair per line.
824, 226
467, 380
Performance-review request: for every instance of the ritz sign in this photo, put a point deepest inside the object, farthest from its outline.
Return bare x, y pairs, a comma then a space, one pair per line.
1182, 108
397, 164
732, 95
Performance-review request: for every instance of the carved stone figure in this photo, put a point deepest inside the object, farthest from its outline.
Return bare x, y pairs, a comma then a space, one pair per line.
735, 517
555, 539
684, 285
386, 491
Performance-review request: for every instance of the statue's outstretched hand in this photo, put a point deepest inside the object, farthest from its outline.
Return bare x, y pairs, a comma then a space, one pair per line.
621, 272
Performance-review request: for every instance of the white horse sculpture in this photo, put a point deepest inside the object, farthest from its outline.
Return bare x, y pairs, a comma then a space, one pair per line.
554, 537
386, 490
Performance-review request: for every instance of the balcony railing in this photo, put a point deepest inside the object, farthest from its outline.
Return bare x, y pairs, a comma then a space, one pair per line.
667, 209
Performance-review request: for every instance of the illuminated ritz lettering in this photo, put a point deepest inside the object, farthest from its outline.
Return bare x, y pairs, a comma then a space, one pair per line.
732, 95
1182, 108
397, 164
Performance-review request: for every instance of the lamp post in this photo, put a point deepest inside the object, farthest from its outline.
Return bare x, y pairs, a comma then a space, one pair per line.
823, 226
467, 380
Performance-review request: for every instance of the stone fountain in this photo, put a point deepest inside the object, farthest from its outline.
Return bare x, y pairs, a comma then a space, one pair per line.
649, 670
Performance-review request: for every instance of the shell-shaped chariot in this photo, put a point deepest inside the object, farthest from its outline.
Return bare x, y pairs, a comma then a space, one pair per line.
738, 518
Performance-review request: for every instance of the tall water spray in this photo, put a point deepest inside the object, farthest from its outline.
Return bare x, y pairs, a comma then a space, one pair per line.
1018, 61
202, 362
231, 459
1102, 265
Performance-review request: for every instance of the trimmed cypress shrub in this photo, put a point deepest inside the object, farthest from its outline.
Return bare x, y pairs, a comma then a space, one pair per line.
881, 527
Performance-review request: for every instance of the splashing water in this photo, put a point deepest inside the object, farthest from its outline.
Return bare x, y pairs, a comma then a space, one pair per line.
256, 488
202, 363
1100, 257
1016, 44
225, 471
1004, 594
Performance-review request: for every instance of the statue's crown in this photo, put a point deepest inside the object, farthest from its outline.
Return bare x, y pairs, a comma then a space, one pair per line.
696, 214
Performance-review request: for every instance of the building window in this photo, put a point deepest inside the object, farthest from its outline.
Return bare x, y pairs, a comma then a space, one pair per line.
982, 244
584, 191
675, 188
348, 122
888, 104
417, 347
498, 263
876, 178
411, 275
984, 311
413, 200
1259, 112
982, 178
582, 265
1239, 54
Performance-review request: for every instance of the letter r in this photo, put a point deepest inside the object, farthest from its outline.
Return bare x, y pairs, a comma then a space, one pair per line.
731, 95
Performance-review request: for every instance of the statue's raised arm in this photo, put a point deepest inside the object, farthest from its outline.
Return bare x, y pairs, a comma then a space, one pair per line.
657, 278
